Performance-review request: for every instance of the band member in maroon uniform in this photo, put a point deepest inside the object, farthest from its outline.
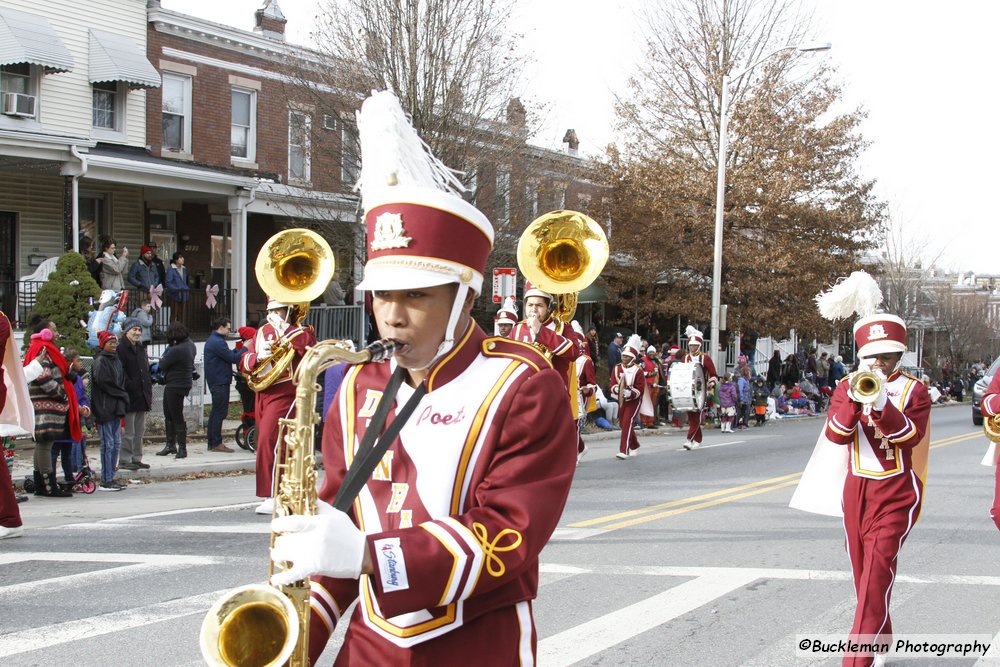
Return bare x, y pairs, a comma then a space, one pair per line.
990, 407
441, 545
505, 318
695, 355
17, 416
628, 384
587, 383
278, 399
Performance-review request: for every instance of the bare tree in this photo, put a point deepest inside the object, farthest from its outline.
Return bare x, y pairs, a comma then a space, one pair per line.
964, 315
797, 213
904, 274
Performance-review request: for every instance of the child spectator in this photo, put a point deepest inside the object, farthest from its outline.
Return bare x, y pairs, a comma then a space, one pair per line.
109, 401
745, 394
759, 400
144, 314
71, 450
728, 398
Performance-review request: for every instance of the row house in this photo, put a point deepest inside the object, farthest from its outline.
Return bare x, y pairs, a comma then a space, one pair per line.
127, 120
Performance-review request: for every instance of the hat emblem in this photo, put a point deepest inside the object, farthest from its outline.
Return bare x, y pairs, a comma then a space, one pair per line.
877, 332
389, 233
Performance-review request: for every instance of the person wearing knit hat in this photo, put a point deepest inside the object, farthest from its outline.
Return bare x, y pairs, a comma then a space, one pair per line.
696, 356
108, 404
139, 387
143, 273
451, 562
628, 385
870, 462
277, 400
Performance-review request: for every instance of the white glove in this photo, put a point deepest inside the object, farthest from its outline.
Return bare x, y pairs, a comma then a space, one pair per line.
265, 350
880, 400
326, 543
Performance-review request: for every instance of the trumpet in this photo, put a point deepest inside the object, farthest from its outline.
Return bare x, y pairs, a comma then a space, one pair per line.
294, 266
866, 386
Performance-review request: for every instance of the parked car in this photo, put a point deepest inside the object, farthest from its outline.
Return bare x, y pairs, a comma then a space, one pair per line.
979, 389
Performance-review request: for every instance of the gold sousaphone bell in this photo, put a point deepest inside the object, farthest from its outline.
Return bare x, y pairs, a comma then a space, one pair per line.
294, 266
562, 252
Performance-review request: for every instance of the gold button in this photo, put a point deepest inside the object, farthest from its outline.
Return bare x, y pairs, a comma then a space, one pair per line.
490, 346
465, 276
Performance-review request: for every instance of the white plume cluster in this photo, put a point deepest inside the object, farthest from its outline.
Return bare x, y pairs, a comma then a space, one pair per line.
858, 294
634, 342
691, 331
393, 152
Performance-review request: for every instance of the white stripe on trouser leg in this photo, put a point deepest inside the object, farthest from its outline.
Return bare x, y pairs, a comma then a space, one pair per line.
277, 444
899, 547
525, 625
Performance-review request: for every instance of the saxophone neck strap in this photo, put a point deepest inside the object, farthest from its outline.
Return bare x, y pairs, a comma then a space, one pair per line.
372, 447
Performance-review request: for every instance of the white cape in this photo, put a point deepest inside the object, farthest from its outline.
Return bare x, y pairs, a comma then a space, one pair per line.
821, 488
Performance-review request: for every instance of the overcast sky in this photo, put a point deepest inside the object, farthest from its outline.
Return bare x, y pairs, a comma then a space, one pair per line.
925, 71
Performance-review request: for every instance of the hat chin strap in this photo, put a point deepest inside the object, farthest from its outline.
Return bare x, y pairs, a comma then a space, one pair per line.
449, 333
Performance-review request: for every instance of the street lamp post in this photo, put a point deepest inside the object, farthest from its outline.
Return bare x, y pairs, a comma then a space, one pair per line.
720, 188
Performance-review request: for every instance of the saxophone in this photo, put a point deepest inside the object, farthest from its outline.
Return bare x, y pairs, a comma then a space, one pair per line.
260, 624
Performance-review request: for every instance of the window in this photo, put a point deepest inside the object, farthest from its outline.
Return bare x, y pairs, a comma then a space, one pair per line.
243, 133
503, 196
176, 92
94, 222
350, 157
531, 200
21, 81
106, 101
299, 146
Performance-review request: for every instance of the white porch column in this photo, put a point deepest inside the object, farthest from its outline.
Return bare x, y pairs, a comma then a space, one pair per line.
238, 271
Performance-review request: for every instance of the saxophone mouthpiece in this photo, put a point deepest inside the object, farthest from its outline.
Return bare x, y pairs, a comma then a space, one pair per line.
381, 350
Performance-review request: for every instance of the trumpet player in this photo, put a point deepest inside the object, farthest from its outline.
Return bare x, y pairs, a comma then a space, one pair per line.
276, 400
440, 547
990, 408
885, 424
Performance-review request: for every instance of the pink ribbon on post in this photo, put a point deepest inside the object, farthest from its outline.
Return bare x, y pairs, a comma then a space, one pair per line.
210, 293
154, 296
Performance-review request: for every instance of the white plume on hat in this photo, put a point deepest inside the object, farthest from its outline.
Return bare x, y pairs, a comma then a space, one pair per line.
507, 314
858, 294
693, 335
576, 327
382, 124
632, 346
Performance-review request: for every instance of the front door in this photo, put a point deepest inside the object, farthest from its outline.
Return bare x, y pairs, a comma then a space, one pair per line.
8, 266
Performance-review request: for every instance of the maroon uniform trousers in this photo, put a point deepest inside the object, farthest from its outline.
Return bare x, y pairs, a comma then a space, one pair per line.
990, 406
694, 433
10, 514
883, 492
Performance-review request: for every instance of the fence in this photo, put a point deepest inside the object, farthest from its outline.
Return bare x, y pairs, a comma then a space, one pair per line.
339, 322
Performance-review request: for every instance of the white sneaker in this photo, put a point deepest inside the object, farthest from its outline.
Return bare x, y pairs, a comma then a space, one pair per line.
879, 660
621, 456
687, 444
266, 507
694, 445
15, 531
580, 454
633, 452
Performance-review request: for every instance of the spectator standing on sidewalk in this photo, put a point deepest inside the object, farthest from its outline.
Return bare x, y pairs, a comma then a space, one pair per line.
745, 393
177, 369
219, 360
614, 352
728, 398
139, 385
823, 371
66, 447
143, 274
144, 315
49, 390
109, 401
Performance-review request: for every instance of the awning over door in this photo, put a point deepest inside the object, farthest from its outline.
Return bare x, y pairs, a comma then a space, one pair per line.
29, 38
117, 58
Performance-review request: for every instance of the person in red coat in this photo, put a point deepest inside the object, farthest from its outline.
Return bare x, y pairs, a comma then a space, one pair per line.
628, 384
440, 547
696, 356
277, 400
990, 407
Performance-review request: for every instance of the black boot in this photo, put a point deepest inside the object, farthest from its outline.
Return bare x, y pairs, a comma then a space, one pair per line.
56, 491
182, 450
41, 488
170, 447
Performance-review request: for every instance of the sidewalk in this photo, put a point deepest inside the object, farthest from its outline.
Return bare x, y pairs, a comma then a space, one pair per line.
199, 460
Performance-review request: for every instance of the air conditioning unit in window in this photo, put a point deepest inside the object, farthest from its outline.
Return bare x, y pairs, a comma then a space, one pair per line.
16, 104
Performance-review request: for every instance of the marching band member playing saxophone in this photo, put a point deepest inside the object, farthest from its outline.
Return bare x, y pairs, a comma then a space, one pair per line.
277, 400
628, 384
441, 546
